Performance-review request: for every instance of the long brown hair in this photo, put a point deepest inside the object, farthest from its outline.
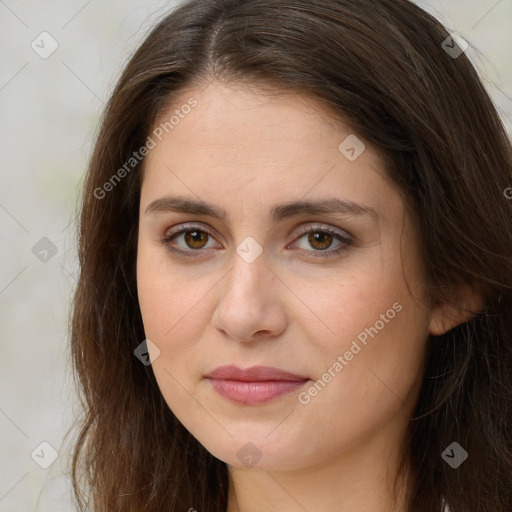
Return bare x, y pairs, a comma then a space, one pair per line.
380, 66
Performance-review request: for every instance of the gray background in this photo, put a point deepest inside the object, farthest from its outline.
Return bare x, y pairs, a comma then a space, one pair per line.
49, 115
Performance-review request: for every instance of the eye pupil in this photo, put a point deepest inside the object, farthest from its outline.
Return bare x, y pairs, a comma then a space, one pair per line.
315, 238
191, 238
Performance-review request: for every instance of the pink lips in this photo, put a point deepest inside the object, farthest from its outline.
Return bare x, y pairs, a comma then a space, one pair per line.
255, 385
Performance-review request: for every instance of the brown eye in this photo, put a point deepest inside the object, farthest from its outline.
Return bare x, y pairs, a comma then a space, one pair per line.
320, 240
196, 239
315, 240
189, 237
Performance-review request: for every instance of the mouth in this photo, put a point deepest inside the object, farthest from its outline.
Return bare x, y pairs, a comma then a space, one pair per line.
255, 385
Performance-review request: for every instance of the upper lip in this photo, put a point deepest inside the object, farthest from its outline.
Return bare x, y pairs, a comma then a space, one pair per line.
253, 374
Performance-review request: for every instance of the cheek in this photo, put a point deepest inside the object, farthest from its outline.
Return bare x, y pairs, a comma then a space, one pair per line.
169, 307
355, 301
168, 301
380, 369
380, 331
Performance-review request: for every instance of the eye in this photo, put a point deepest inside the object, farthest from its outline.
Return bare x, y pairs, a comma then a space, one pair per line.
197, 238
321, 238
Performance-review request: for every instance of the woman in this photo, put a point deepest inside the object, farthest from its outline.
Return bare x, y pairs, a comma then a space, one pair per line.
296, 211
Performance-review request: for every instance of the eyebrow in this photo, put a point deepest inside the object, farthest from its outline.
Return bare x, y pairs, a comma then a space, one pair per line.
278, 212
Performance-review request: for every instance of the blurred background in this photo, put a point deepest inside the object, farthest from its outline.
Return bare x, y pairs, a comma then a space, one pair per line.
59, 63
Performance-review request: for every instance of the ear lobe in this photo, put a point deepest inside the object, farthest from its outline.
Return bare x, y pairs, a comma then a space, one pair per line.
466, 303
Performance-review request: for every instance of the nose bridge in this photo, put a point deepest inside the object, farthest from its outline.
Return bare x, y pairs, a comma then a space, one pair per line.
249, 267
246, 304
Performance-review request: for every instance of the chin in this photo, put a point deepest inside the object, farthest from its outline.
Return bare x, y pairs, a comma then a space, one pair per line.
256, 450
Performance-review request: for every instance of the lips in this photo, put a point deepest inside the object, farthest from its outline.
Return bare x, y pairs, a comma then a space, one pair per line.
255, 385
253, 374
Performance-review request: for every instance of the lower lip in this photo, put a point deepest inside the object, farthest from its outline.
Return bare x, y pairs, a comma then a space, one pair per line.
252, 393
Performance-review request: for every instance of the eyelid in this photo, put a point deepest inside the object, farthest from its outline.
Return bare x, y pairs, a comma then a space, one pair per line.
343, 236
300, 231
183, 228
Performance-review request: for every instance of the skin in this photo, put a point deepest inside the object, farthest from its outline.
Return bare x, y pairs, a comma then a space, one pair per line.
244, 152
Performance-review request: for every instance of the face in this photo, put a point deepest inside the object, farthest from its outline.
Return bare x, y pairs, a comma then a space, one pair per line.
234, 268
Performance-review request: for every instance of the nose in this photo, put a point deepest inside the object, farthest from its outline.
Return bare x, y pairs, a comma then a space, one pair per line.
251, 302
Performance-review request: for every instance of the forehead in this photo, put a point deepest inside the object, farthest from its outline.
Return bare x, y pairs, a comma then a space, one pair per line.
238, 145
234, 116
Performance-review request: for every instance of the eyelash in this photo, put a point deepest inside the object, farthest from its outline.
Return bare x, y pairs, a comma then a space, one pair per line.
346, 242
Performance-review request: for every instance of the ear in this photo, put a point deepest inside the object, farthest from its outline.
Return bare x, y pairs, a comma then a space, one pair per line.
460, 307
